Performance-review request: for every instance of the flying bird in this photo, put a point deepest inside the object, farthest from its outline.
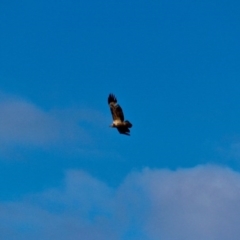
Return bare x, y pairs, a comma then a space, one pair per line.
118, 116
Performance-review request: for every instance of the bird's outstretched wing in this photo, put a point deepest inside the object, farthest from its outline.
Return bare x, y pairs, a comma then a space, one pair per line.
116, 110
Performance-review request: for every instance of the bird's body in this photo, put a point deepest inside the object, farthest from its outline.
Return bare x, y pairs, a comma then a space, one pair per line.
118, 116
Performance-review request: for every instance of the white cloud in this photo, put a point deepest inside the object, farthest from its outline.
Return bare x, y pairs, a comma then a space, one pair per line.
198, 203
24, 124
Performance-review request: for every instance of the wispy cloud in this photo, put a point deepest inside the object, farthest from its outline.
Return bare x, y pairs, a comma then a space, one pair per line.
23, 123
198, 203
228, 150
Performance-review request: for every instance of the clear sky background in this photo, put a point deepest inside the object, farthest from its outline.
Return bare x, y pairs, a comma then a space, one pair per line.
174, 68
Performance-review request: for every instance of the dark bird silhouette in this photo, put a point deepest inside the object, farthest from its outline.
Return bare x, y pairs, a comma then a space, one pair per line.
118, 116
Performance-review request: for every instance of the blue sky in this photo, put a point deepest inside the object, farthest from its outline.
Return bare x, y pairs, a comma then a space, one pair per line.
174, 68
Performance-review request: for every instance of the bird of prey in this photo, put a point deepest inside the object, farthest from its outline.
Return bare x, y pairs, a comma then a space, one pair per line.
118, 117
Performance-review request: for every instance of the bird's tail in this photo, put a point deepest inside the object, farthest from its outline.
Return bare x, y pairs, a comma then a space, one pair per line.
128, 124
